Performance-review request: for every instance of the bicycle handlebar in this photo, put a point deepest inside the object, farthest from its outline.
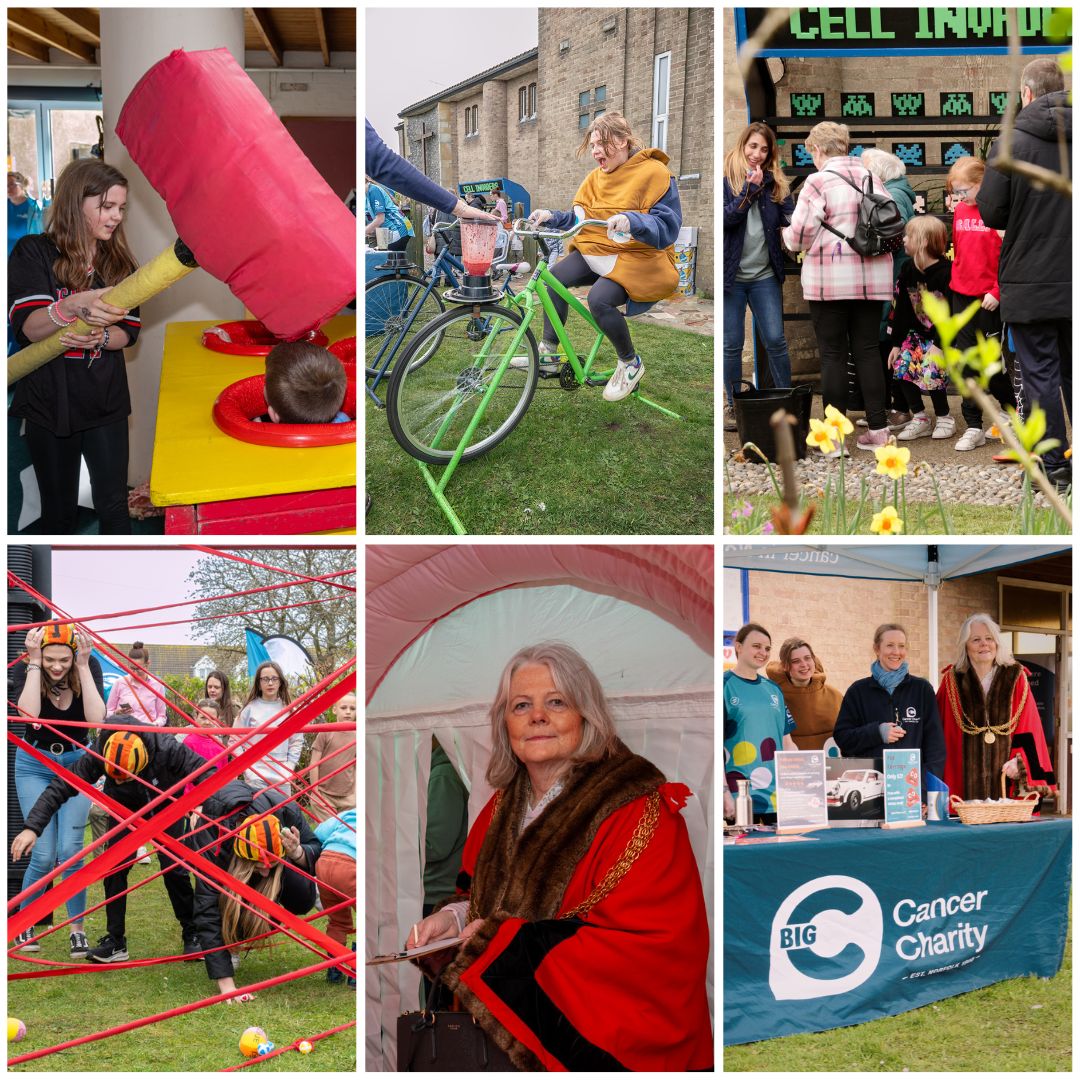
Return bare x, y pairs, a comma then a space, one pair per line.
518, 230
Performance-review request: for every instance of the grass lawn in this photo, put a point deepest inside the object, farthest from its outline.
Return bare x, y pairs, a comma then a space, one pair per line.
57, 1009
923, 518
1021, 1025
575, 463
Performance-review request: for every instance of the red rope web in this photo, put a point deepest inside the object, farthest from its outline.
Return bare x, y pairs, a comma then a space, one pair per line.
246, 747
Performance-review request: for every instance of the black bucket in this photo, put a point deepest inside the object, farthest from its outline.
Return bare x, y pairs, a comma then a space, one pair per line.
753, 408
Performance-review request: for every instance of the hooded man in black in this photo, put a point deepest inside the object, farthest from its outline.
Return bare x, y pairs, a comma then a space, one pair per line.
1035, 272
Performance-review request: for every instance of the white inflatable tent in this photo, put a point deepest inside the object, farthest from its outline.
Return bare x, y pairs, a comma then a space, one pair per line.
441, 623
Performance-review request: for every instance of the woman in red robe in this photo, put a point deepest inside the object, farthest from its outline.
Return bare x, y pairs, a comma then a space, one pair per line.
580, 900
991, 722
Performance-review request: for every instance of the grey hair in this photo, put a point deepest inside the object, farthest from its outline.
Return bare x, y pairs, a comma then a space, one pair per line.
577, 682
1004, 657
829, 138
882, 164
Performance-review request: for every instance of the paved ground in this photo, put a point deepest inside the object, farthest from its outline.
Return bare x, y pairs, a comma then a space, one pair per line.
970, 477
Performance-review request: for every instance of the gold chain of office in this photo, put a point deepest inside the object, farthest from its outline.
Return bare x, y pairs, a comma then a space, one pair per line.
989, 731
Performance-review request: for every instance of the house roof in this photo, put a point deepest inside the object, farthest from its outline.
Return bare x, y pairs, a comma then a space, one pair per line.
522, 60
181, 659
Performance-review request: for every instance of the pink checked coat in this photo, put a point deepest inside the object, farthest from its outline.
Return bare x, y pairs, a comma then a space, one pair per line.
832, 269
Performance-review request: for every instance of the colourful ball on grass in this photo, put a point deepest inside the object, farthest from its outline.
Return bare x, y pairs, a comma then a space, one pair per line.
305, 1047
251, 1040
16, 1030
265, 1048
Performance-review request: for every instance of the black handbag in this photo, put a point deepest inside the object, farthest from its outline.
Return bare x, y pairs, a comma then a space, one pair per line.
445, 1041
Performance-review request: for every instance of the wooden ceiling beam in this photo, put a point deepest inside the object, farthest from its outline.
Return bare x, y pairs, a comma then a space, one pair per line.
24, 46
34, 26
320, 29
85, 19
261, 18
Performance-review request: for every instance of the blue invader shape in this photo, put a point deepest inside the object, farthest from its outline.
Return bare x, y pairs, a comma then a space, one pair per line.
807, 104
907, 104
911, 153
803, 160
856, 150
856, 105
956, 104
956, 151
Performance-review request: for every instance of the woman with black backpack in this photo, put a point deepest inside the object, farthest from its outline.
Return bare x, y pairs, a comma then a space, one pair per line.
843, 288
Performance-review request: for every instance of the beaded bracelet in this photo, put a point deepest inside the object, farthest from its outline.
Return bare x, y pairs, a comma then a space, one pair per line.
104, 339
53, 311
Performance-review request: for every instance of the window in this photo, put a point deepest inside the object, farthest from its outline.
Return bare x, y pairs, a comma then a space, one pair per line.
583, 121
527, 102
661, 86
472, 125
600, 94
43, 136
583, 100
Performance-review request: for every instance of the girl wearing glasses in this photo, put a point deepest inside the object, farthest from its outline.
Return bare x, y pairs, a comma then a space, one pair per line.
267, 699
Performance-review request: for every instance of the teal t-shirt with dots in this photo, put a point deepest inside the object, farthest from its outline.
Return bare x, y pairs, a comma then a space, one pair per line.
755, 723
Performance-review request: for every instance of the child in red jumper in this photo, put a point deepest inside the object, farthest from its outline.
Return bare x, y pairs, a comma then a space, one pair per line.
976, 254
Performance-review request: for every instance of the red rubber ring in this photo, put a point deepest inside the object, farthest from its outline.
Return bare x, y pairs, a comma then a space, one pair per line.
240, 402
251, 338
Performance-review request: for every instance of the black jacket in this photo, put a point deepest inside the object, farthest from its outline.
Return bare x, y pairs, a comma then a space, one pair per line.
234, 802
913, 705
169, 762
774, 217
1035, 271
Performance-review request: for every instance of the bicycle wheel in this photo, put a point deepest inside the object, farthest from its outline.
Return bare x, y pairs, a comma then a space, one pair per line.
436, 392
388, 304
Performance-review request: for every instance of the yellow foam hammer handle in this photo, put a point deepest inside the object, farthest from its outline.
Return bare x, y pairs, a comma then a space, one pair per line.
154, 277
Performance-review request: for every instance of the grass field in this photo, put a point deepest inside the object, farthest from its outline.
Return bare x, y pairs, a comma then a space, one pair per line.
575, 463
1021, 1025
57, 1009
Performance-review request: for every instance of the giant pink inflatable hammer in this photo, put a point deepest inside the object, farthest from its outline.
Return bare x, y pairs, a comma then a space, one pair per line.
247, 204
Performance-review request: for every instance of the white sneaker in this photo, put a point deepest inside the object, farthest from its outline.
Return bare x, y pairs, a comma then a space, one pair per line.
971, 439
550, 362
840, 451
144, 857
918, 427
944, 427
624, 379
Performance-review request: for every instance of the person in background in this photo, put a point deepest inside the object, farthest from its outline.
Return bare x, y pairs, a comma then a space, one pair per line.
206, 745
269, 695
24, 211
337, 793
382, 212
501, 211
336, 874
892, 708
757, 723
757, 205
129, 697
813, 704
216, 688
1035, 273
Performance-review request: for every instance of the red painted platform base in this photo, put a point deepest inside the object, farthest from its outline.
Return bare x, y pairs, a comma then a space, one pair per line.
332, 510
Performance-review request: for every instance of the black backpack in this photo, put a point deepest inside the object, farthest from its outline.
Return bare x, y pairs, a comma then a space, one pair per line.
880, 226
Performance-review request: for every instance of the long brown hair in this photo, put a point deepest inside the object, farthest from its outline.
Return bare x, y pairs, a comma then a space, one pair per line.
735, 164
611, 126
283, 687
226, 707
239, 923
111, 259
72, 676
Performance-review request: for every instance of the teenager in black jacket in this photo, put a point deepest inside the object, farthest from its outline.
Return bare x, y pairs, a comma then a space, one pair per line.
156, 757
262, 855
892, 709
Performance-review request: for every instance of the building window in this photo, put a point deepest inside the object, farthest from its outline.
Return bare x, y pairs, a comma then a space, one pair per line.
472, 120
600, 94
583, 100
583, 121
661, 88
527, 102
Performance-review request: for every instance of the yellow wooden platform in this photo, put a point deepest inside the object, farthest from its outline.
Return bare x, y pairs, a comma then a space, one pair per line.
195, 462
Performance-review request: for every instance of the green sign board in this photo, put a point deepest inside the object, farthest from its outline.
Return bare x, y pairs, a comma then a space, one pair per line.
853, 31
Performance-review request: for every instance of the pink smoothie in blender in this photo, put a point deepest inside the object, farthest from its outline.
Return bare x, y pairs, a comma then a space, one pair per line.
478, 246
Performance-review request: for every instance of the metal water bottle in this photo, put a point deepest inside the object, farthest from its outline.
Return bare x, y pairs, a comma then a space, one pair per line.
744, 805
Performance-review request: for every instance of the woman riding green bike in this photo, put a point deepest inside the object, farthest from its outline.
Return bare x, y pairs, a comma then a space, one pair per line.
632, 262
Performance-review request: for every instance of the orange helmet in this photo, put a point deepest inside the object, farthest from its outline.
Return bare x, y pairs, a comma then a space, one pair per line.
259, 838
59, 634
125, 755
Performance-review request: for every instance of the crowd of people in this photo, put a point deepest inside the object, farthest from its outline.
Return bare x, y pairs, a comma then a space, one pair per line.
297, 856
1011, 254
980, 723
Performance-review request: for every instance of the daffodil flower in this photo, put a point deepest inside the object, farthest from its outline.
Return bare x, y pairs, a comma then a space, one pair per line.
892, 461
840, 424
888, 522
821, 435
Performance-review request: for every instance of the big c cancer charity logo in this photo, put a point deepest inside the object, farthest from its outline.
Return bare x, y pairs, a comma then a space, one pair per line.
826, 939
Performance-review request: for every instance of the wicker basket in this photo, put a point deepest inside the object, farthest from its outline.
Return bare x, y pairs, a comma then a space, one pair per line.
973, 813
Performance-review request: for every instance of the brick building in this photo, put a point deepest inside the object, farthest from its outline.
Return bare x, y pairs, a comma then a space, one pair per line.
524, 118
933, 92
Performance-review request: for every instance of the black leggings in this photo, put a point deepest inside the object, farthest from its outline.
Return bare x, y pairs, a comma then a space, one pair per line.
56, 466
605, 297
913, 396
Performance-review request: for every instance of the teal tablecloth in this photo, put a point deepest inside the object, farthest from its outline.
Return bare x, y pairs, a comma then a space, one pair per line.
856, 924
